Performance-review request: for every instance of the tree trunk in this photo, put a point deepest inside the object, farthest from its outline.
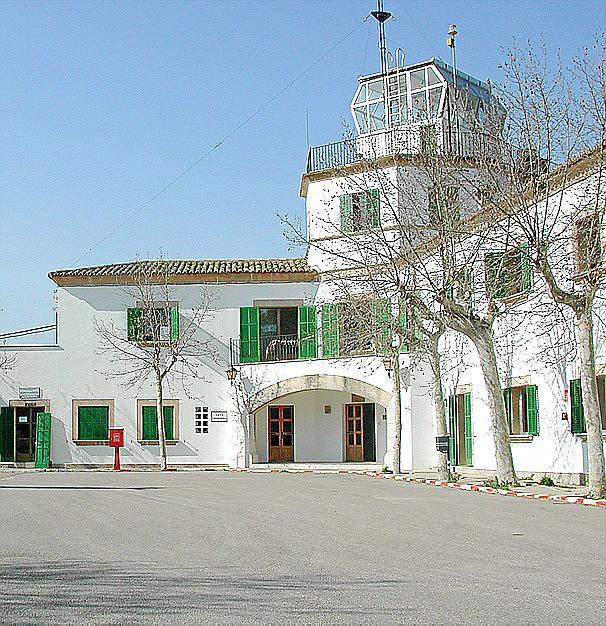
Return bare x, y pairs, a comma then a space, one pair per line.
160, 417
591, 405
484, 343
439, 408
397, 441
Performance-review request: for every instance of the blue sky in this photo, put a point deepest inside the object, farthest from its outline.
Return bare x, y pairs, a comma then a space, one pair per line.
103, 103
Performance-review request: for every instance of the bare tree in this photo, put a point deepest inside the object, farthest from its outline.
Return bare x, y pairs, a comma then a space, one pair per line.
161, 341
549, 192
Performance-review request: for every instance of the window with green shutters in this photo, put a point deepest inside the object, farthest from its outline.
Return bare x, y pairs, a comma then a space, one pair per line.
508, 273
522, 408
149, 423
577, 415
381, 326
93, 423
153, 324
360, 211
468, 429
308, 332
249, 334
330, 330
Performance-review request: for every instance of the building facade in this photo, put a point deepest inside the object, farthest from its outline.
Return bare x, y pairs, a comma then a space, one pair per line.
310, 385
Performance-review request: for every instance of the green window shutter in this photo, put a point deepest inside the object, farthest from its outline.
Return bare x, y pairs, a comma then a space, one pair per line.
403, 324
308, 332
452, 429
381, 327
43, 437
7, 434
373, 206
174, 323
169, 422
507, 399
525, 268
150, 423
93, 423
496, 284
577, 418
346, 201
134, 323
532, 409
468, 429
330, 330
249, 335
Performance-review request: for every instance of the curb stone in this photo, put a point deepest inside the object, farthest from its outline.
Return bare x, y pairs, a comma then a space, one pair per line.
433, 482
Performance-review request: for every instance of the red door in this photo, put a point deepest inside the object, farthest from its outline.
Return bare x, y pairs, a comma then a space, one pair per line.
281, 429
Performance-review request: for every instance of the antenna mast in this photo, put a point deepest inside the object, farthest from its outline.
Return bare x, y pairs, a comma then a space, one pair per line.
382, 16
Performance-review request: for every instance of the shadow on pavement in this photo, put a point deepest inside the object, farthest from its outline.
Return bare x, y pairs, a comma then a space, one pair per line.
53, 487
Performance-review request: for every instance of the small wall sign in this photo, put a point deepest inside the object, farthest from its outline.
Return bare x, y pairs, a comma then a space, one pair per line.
30, 393
218, 416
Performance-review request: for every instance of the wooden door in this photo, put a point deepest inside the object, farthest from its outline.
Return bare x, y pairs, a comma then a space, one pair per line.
281, 433
354, 432
25, 433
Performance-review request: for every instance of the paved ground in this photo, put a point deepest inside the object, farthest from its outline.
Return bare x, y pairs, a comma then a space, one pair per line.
221, 547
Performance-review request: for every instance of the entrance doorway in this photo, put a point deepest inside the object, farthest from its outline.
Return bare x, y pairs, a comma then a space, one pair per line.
281, 427
360, 432
25, 433
460, 446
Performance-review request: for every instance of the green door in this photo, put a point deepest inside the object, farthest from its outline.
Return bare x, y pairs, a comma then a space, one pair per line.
308, 333
7, 434
468, 430
43, 437
452, 430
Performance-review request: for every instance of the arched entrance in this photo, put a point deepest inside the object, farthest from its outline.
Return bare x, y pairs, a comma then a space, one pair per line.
319, 418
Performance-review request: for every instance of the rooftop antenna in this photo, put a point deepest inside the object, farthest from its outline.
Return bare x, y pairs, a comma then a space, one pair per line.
382, 16
450, 42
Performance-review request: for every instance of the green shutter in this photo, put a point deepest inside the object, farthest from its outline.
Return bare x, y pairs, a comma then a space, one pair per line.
308, 332
346, 201
134, 323
93, 423
174, 323
577, 418
150, 423
43, 437
373, 207
404, 330
452, 429
525, 267
249, 335
381, 327
468, 429
532, 409
496, 283
507, 398
330, 330
7, 434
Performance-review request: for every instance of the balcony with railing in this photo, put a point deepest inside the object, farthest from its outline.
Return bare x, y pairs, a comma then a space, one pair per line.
426, 139
272, 349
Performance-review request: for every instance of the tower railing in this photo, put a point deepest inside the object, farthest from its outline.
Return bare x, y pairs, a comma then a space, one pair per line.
407, 141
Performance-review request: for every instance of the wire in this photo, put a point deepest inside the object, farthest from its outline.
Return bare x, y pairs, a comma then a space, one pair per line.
186, 171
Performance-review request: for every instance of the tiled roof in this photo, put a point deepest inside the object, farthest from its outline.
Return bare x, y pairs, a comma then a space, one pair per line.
183, 268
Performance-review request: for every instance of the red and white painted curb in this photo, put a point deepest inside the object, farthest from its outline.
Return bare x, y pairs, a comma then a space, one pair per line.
430, 481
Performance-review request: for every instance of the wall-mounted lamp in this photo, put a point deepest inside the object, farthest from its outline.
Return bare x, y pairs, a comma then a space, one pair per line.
388, 364
232, 374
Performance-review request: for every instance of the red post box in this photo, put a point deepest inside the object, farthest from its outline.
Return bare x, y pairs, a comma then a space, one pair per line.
116, 441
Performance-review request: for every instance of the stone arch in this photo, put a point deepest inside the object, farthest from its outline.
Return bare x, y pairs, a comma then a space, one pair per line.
315, 382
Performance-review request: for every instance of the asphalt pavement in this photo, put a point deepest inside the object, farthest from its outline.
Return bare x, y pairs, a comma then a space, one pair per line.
225, 547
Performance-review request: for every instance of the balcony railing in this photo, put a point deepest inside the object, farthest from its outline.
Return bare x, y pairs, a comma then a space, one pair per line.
275, 348
417, 140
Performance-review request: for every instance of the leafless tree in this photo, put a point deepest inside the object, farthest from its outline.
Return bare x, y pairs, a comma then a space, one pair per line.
161, 341
553, 197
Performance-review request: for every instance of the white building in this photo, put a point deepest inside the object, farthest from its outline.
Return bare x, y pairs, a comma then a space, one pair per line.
303, 394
